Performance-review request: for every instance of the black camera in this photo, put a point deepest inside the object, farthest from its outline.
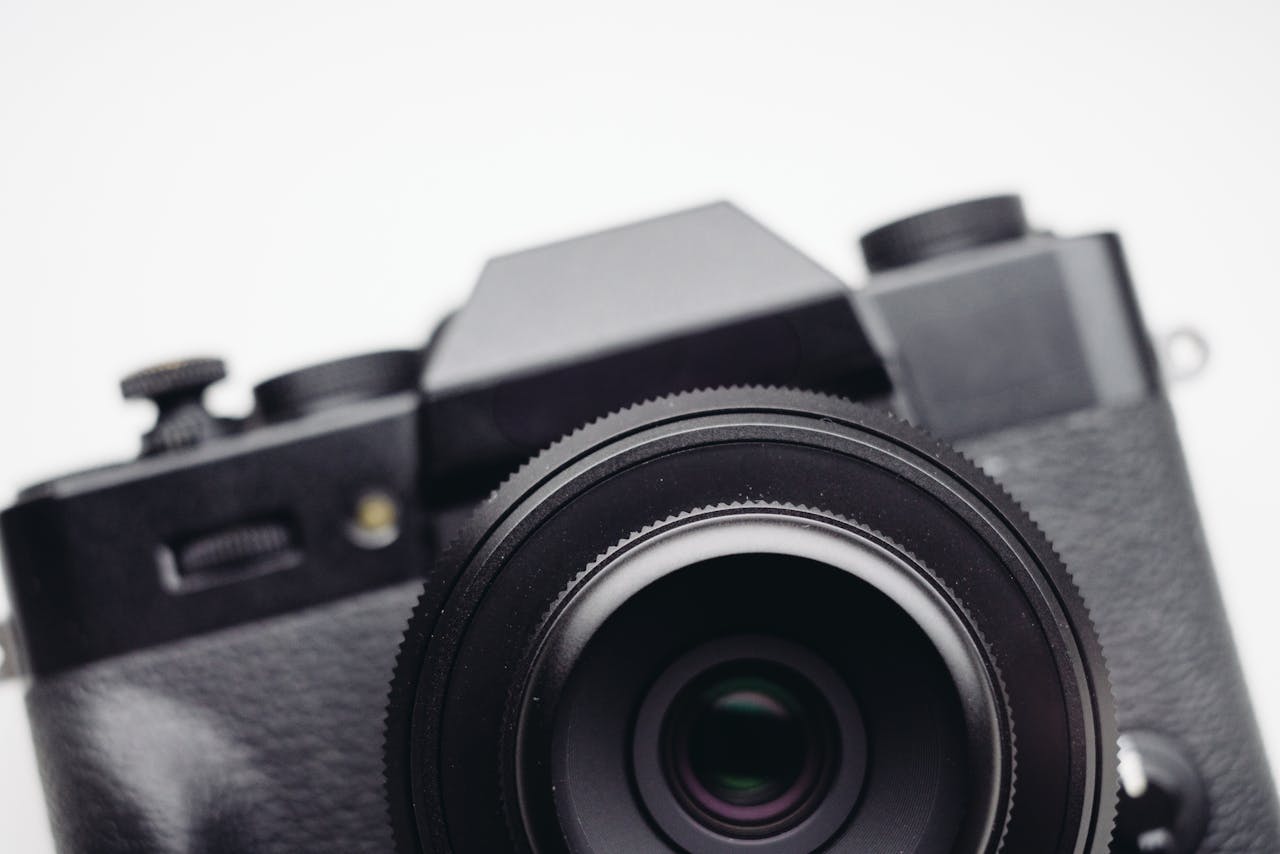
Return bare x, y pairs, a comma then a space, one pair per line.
690, 575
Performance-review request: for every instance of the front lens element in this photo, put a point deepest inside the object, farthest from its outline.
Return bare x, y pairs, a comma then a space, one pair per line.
745, 748
749, 748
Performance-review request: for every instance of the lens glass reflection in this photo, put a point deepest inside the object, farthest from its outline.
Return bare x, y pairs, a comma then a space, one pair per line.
748, 746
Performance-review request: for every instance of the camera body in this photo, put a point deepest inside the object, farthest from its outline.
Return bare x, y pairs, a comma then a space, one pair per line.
211, 629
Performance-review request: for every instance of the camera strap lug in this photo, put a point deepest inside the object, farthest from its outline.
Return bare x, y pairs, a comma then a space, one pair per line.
1183, 354
8, 651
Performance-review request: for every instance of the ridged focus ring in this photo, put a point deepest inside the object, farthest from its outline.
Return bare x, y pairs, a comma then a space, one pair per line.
563, 603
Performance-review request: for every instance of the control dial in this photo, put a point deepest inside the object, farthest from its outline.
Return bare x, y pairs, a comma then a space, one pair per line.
362, 377
177, 389
941, 231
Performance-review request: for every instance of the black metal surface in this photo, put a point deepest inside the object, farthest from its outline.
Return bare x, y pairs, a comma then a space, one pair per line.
558, 335
1001, 335
95, 561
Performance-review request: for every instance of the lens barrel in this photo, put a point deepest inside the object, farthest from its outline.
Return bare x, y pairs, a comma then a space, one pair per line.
751, 618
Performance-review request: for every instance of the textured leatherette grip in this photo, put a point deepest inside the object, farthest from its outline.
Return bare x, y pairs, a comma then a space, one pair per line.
1110, 488
264, 738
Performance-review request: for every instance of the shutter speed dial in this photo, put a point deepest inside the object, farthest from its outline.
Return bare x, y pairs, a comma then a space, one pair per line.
342, 381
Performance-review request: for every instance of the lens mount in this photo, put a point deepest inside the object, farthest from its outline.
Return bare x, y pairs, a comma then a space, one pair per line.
594, 666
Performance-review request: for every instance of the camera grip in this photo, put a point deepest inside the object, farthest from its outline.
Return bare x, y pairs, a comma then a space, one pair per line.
265, 737
1110, 488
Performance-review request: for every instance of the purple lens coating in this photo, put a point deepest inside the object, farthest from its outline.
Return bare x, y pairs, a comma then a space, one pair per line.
748, 751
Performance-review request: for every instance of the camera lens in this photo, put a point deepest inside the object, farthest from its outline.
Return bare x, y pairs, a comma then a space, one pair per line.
750, 619
744, 751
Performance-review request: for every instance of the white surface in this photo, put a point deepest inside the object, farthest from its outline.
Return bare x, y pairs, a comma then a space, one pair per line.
281, 182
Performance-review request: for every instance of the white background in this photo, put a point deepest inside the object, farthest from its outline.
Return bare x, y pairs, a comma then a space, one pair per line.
282, 182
